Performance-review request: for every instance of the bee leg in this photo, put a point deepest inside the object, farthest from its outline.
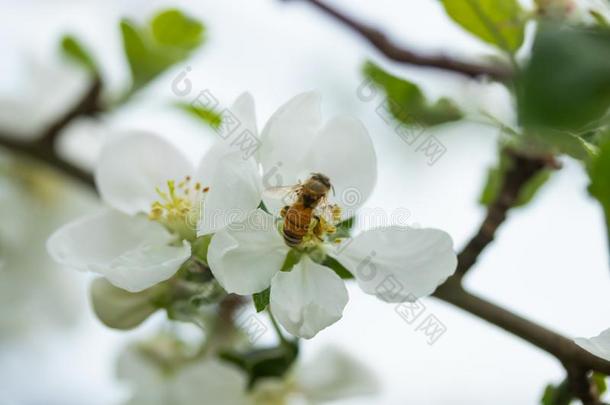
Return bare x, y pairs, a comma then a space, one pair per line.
284, 211
317, 228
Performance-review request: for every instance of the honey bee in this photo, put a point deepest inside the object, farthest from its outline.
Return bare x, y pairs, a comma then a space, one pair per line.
303, 216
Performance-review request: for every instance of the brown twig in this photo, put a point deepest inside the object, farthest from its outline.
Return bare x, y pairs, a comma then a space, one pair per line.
581, 385
559, 346
399, 54
522, 169
42, 148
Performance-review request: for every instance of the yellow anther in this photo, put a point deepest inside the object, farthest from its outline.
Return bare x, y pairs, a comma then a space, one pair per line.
336, 213
156, 212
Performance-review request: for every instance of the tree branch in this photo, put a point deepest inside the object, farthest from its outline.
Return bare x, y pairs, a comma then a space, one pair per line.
42, 148
575, 359
559, 346
522, 170
581, 385
396, 53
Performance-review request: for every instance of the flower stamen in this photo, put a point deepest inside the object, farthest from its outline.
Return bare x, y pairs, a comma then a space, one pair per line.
177, 207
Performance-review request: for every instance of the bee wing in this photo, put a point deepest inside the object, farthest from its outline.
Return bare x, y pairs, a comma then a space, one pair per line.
287, 194
325, 210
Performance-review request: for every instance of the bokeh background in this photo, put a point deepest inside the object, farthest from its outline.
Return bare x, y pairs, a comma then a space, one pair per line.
549, 261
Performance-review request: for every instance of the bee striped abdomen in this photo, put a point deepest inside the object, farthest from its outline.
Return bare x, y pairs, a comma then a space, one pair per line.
296, 224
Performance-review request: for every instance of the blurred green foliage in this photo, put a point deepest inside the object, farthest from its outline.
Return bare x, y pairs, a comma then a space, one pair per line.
497, 22
599, 173
566, 83
407, 103
209, 117
73, 49
264, 362
495, 179
170, 37
261, 299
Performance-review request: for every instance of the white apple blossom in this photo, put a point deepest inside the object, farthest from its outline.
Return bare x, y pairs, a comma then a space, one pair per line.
157, 372
156, 375
159, 202
598, 345
247, 256
330, 375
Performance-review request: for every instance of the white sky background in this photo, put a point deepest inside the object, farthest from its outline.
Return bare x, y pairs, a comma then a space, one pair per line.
549, 261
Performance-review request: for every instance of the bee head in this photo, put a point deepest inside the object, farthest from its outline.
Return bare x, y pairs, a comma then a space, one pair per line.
322, 179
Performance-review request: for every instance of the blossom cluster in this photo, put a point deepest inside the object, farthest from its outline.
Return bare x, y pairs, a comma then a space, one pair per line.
165, 213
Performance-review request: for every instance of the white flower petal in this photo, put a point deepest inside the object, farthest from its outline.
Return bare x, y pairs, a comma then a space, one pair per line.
307, 299
131, 167
245, 255
344, 152
141, 373
289, 133
294, 145
398, 263
133, 253
209, 381
243, 108
234, 188
598, 345
333, 375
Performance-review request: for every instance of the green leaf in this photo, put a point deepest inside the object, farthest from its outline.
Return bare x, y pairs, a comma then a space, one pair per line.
599, 174
600, 382
120, 309
557, 394
566, 84
529, 189
174, 29
261, 299
210, 117
337, 268
344, 229
72, 48
170, 37
497, 22
565, 142
407, 103
599, 19
495, 180
292, 258
265, 362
